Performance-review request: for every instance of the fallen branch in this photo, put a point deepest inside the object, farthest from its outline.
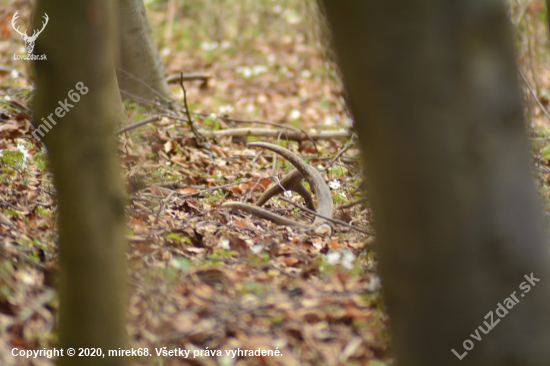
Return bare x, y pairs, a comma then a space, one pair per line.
137, 124
176, 79
264, 132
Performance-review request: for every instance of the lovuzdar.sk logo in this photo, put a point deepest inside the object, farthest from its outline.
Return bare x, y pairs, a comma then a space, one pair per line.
29, 40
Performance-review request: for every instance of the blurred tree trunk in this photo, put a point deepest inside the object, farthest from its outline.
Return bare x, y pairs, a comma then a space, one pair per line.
433, 88
140, 69
76, 90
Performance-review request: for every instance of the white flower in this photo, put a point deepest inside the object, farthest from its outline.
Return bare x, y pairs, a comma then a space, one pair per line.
333, 258
259, 69
344, 258
247, 72
374, 283
225, 109
291, 17
288, 194
14, 74
257, 249
209, 46
334, 184
25, 153
305, 74
295, 114
226, 44
348, 122
224, 243
347, 259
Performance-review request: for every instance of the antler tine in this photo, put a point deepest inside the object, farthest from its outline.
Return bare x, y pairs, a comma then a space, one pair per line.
34, 33
13, 20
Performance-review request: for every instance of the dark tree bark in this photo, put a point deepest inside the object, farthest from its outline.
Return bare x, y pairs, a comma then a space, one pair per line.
140, 69
77, 96
433, 88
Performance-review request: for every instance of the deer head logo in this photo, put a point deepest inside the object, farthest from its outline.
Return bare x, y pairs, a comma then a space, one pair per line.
29, 40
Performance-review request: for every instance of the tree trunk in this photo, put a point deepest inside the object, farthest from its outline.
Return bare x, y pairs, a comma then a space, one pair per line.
76, 106
140, 69
433, 88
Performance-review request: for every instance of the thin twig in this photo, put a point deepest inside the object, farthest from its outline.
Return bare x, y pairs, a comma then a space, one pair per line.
237, 120
171, 116
351, 204
339, 222
17, 104
144, 83
137, 124
534, 95
191, 125
340, 153
139, 99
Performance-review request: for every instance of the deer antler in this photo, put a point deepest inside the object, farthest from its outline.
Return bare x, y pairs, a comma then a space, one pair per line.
15, 16
35, 33
292, 181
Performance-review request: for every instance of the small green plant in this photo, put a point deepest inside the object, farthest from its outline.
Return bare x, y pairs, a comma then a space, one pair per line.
178, 238
159, 174
12, 160
212, 123
338, 171
181, 263
215, 197
41, 160
43, 211
222, 254
339, 197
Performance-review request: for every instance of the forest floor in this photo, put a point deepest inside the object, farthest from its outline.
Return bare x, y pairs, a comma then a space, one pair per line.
201, 277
